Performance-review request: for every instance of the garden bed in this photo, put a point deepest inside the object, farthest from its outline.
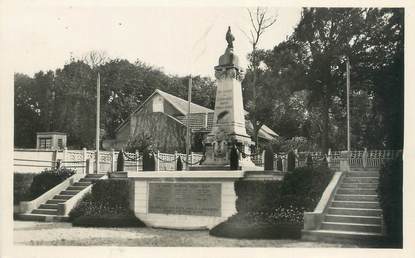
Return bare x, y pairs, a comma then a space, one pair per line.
106, 206
108, 221
275, 209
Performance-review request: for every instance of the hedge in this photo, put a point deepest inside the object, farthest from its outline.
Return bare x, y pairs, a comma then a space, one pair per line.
275, 209
48, 179
390, 197
257, 195
21, 186
269, 159
106, 206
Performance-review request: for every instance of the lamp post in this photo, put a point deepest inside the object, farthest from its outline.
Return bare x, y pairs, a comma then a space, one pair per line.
188, 140
97, 125
348, 101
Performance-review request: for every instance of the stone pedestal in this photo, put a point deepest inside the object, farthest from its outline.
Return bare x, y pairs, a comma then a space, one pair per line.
229, 117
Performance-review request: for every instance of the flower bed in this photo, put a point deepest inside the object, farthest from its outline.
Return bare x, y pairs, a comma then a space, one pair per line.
275, 209
281, 223
106, 206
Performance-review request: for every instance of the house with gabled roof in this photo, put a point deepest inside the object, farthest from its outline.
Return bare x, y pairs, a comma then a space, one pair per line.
163, 116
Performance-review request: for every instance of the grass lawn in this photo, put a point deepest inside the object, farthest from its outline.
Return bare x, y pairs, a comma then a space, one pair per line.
43, 233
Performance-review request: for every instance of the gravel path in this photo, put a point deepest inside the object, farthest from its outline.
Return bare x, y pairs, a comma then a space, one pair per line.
44, 233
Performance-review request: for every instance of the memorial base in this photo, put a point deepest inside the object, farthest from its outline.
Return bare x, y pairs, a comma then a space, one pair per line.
183, 199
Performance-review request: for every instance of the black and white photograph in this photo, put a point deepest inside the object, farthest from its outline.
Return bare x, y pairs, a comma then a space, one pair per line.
222, 127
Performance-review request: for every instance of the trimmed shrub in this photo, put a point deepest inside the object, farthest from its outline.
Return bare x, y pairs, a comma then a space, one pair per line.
290, 161
257, 195
47, 179
108, 221
21, 186
234, 159
269, 159
390, 196
275, 209
149, 164
279, 163
106, 206
304, 186
280, 223
120, 161
309, 160
179, 165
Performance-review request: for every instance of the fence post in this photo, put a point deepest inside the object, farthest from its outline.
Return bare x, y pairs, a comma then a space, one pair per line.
344, 161
284, 163
55, 159
157, 160
297, 160
137, 155
113, 168
84, 156
89, 166
191, 158
328, 157
263, 158
364, 158
64, 155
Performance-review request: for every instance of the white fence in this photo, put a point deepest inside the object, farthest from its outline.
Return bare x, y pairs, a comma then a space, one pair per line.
35, 161
32, 160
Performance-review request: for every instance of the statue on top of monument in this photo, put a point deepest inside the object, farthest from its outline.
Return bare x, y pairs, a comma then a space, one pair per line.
229, 37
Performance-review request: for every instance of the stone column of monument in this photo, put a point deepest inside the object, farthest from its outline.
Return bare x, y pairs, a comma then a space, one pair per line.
229, 118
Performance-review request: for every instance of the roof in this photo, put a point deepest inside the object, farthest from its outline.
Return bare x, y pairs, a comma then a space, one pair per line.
198, 114
182, 105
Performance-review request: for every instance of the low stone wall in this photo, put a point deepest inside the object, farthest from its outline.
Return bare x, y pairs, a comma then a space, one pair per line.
184, 200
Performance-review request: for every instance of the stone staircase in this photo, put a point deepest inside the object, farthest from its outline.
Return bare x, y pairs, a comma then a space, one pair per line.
48, 211
354, 213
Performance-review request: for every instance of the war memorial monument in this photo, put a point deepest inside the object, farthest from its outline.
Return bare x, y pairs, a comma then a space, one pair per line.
204, 196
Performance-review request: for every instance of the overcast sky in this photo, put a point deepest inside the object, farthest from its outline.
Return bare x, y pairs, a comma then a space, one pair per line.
171, 38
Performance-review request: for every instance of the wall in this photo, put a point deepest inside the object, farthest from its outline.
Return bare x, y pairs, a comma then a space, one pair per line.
168, 134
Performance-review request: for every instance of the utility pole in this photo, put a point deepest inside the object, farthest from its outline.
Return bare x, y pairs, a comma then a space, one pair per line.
97, 127
348, 101
189, 99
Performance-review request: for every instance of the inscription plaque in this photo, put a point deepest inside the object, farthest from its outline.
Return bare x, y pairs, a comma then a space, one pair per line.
198, 199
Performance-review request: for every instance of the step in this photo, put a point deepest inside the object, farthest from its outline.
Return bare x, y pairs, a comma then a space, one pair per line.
45, 211
355, 227
355, 204
355, 197
82, 183
359, 185
96, 176
69, 192
360, 191
62, 197
359, 169
49, 206
55, 201
43, 218
76, 188
337, 236
353, 219
362, 174
361, 180
354, 211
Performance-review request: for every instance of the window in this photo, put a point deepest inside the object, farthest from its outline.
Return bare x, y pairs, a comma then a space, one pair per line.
45, 143
60, 143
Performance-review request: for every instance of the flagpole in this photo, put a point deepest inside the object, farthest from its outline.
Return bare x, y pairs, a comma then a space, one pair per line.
348, 101
189, 100
97, 126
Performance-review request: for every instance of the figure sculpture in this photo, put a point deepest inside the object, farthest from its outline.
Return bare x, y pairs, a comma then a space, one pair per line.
230, 38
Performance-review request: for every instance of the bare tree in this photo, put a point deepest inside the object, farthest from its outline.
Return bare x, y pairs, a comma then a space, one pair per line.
95, 58
260, 21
